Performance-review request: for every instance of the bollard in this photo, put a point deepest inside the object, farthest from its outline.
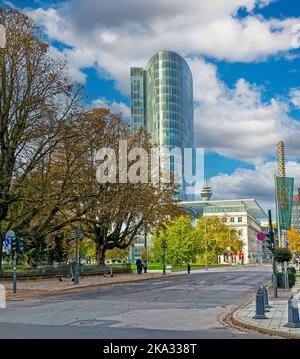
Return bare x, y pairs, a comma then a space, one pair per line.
2, 297
293, 313
266, 299
260, 305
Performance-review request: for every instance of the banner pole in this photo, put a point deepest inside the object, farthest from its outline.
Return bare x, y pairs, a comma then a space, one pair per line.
277, 212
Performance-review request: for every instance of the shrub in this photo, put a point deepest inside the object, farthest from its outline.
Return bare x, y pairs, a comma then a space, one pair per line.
283, 255
291, 276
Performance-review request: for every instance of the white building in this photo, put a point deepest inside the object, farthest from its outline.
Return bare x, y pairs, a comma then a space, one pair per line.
244, 215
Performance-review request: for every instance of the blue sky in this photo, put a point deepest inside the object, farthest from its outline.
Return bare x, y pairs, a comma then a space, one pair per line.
242, 54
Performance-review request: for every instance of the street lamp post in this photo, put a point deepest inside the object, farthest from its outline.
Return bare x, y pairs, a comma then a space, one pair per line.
164, 246
76, 234
205, 245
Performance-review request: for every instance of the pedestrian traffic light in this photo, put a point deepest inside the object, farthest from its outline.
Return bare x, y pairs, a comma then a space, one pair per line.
20, 245
14, 244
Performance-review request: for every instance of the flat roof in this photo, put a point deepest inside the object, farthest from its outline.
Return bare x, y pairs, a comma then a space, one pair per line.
196, 207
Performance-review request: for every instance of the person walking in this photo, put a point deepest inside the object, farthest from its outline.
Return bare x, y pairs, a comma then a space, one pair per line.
188, 264
139, 266
145, 265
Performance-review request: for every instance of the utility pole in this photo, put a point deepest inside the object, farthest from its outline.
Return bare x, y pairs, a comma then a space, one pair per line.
272, 248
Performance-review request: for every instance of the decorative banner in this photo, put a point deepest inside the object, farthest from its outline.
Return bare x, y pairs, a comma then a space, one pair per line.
285, 188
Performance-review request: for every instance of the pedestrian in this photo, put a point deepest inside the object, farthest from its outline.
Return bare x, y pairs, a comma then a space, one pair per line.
145, 265
188, 267
139, 266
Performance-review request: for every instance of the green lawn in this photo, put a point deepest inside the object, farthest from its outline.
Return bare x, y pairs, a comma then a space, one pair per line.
158, 266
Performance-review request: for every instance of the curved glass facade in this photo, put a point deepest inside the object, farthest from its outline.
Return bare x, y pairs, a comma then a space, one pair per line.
169, 100
162, 102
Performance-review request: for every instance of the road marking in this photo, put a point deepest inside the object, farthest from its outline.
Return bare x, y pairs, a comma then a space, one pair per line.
164, 281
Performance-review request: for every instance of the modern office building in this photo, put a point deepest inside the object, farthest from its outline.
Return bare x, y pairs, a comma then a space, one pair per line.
296, 213
162, 100
244, 215
162, 103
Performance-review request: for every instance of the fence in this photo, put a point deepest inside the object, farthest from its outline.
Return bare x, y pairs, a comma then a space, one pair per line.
65, 270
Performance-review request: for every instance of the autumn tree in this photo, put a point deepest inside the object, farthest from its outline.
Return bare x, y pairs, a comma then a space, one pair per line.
293, 238
217, 236
117, 254
49, 199
117, 211
36, 100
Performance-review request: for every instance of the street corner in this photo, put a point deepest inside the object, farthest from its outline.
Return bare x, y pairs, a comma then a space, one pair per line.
274, 322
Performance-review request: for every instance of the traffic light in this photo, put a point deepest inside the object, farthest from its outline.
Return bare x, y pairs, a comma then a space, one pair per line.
14, 244
20, 245
270, 243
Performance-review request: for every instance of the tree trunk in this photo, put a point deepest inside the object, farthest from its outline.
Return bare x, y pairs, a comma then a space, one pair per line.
100, 255
100, 245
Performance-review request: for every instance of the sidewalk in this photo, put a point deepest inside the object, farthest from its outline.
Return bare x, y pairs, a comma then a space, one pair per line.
44, 287
277, 315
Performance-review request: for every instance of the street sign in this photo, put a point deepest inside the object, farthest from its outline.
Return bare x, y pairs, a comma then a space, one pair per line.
73, 233
164, 244
286, 244
10, 234
6, 243
261, 236
77, 233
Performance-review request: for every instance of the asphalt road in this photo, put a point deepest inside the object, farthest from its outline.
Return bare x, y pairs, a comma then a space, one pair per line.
187, 306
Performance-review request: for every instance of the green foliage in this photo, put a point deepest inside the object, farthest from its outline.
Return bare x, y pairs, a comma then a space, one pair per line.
186, 242
88, 249
291, 276
282, 255
181, 239
117, 254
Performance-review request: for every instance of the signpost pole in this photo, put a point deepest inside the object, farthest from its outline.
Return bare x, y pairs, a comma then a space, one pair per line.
272, 242
205, 245
76, 279
15, 273
277, 212
164, 264
164, 247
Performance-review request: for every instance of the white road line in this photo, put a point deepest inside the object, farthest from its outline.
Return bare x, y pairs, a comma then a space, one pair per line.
164, 281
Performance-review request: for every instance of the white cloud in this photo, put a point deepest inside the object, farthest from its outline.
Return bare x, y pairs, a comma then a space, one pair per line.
115, 35
259, 182
116, 107
237, 122
119, 34
295, 97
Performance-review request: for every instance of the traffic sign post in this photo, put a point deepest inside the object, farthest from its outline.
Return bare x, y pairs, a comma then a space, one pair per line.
15, 273
14, 245
12, 239
164, 246
261, 236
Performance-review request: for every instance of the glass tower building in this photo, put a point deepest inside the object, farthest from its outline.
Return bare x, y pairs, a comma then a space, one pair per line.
162, 100
295, 224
